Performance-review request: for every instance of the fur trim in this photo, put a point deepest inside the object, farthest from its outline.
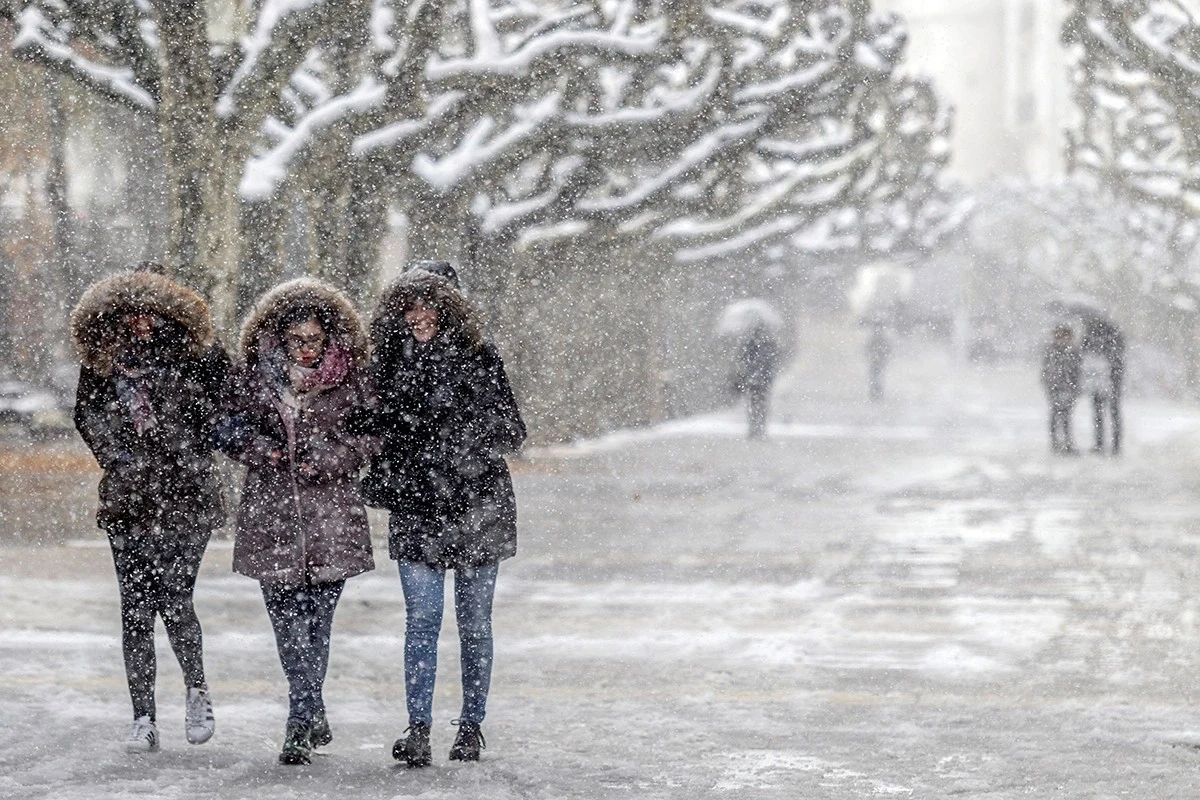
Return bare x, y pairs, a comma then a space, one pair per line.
95, 319
455, 312
348, 326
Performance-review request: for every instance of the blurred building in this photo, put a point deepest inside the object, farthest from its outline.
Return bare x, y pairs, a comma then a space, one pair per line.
1001, 64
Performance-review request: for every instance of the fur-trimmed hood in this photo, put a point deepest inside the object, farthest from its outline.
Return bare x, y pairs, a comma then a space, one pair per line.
456, 316
95, 320
347, 326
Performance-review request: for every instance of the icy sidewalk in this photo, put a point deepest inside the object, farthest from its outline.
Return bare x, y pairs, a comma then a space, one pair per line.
910, 600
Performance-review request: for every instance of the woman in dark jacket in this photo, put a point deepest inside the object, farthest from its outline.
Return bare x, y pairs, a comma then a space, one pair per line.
301, 526
446, 416
148, 390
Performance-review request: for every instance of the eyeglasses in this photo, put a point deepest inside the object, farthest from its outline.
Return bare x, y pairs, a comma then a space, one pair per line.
301, 342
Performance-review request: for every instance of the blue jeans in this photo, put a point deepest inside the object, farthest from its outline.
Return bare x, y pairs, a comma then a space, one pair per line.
424, 600
302, 617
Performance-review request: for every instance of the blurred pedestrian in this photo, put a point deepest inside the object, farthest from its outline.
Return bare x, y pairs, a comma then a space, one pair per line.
146, 401
879, 350
1061, 363
756, 364
446, 418
1103, 348
301, 526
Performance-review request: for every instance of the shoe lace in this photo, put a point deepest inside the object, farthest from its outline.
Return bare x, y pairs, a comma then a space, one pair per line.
469, 732
417, 729
143, 728
199, 709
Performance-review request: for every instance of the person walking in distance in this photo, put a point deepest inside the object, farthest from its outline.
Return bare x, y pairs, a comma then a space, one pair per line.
755, 366
446, 417
879, 350
1060, 380
301, 526
1103, 354
148, 392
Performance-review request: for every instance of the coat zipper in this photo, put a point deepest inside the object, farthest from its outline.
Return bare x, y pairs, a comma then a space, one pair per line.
301, 536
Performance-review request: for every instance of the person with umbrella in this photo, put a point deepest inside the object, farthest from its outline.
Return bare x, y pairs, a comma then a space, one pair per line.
755, 326
1102, 364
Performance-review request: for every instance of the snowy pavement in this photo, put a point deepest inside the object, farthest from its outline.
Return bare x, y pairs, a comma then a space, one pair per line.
909, 600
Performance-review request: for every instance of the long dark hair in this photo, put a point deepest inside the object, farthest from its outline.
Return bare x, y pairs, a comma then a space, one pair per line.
458, 321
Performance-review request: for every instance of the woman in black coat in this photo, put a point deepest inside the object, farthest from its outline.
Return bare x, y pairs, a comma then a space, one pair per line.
446, 418
148, 390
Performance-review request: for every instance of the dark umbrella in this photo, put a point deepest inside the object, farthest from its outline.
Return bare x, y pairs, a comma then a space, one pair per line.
1078, 306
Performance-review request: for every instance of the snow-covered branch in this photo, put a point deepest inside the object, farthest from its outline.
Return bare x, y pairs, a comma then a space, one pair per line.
266, 172
38, 40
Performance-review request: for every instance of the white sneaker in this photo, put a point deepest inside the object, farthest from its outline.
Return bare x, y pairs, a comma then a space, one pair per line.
199, 723
143, 737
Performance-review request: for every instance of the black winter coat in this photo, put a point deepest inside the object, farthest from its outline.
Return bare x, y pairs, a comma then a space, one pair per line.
756, 363
1061, 368
446, 416
164, 474
146, 408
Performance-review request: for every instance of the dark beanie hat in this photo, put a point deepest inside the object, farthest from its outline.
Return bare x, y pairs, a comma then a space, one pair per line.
443, 268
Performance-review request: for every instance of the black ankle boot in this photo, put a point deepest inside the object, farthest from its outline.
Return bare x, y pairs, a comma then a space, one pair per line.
297, 744
321, 732
468, 743
413, 750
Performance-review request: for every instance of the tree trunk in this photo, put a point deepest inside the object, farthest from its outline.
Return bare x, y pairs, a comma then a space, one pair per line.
203, 168
261, 226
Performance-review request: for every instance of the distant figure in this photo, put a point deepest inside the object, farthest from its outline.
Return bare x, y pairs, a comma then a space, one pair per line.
879, 350
754, 370
1061, 363
1103, 347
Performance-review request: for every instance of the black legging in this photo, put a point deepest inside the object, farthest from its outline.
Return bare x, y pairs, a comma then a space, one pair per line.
156, 573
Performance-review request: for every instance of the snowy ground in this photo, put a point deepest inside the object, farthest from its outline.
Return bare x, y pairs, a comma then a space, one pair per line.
909, 600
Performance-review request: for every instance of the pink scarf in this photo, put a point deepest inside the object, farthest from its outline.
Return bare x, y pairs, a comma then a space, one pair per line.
334, 367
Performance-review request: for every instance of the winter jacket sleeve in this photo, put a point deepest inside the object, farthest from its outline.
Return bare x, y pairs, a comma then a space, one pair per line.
482, 417
237, 432
213, 371
497, 422
95, 405
345, 449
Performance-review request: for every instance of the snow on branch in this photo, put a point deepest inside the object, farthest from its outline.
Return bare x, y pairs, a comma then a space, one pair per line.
270, 30
36, 40
802, 79
265, 173
779, 192
769, 28
483, 34
406, 129
771, 230
521, 60
1160, 31
478, 147
700, 152
688, 101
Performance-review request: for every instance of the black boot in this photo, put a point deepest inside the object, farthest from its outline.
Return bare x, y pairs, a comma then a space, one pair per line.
468, 743
321, 733
297, 744
414, 749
